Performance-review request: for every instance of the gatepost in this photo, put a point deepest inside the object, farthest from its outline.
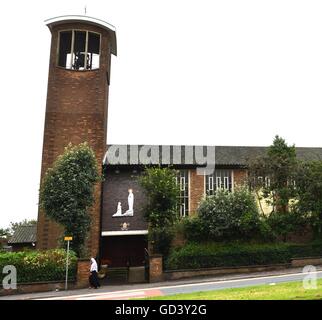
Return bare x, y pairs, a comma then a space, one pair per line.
156, 268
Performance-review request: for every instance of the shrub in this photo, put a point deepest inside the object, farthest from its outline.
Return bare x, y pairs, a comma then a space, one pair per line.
38, 266
266, 232
209, 255
161, 239
282, 224
312, 249
228, 215
195, 229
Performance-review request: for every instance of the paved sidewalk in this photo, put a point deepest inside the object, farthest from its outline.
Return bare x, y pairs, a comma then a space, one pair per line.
147, 286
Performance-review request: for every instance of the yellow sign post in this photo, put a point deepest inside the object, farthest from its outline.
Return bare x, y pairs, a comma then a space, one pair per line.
67, 239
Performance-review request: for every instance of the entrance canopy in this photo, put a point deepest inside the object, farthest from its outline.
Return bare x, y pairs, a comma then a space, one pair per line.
124, 233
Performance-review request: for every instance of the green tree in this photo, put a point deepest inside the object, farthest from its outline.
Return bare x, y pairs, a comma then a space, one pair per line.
229, 216
160, 211
162, 196
309, 192
277, 170
67, 192
4, 233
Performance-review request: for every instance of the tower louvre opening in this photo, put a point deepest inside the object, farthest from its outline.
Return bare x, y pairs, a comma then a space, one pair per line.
79, 50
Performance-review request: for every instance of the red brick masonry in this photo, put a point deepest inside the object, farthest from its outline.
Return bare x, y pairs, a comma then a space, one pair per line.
76, 111
156, 268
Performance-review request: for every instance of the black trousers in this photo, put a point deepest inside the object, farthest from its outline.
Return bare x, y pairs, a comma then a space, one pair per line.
93, 280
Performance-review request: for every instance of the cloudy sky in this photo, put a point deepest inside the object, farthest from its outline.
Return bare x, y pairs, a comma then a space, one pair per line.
187, 72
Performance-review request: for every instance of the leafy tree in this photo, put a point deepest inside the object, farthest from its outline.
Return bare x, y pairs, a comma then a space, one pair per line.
282, 225
67, 191
277, 170
228, 216
309, 192
4, 233
162, 194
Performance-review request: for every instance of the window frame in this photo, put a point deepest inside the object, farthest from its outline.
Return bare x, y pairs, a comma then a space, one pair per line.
183, 178
214, 182
72, 48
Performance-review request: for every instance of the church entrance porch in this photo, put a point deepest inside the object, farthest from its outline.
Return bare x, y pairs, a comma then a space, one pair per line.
124, 251
125, 257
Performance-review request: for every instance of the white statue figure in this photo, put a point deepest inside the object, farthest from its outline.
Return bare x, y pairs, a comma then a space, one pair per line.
130, 201
119, 210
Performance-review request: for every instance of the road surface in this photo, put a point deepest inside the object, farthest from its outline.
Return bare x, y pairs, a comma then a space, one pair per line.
171, 287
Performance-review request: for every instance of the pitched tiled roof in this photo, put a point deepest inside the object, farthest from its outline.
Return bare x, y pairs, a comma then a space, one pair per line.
24, 234
163, 154
241, 155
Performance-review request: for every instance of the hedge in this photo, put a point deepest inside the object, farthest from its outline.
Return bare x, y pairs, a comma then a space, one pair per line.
313, 249
211, 255
38, 266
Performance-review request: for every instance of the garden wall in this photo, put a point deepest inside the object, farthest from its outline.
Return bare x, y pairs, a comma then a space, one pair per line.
37, 287
181, 274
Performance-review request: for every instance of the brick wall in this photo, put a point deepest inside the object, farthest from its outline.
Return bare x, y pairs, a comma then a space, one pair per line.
76, 111
197, 187
239, 176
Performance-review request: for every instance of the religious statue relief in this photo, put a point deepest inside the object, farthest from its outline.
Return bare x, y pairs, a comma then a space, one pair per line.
118, 213
130, 211
130, 201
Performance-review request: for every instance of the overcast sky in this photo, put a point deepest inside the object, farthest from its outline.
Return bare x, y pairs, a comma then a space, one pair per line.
187, 72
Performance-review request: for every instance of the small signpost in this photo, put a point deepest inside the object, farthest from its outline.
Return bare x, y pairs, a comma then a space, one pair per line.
67, 262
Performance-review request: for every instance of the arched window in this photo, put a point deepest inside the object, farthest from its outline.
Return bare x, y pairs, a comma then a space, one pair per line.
79, 50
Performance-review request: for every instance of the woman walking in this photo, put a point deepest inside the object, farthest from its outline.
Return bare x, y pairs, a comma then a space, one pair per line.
93, 278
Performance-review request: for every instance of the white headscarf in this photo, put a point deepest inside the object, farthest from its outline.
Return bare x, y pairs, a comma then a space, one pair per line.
93, 265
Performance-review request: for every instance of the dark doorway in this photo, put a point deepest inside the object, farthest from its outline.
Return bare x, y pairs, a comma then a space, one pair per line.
124, 251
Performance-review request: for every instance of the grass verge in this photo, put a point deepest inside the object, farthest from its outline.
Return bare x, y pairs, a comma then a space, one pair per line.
279, 291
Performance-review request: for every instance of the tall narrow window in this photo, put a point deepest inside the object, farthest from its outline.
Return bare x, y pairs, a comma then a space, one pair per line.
79, 50
183, 181
65, 49
79, 53
94, 50
220, 179
266, 182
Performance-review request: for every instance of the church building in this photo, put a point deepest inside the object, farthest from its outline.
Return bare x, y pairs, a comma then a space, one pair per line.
77, 111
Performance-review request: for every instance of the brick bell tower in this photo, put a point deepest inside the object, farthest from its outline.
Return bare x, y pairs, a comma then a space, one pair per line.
77, 104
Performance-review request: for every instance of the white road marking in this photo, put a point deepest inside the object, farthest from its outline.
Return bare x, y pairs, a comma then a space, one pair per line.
184, 285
